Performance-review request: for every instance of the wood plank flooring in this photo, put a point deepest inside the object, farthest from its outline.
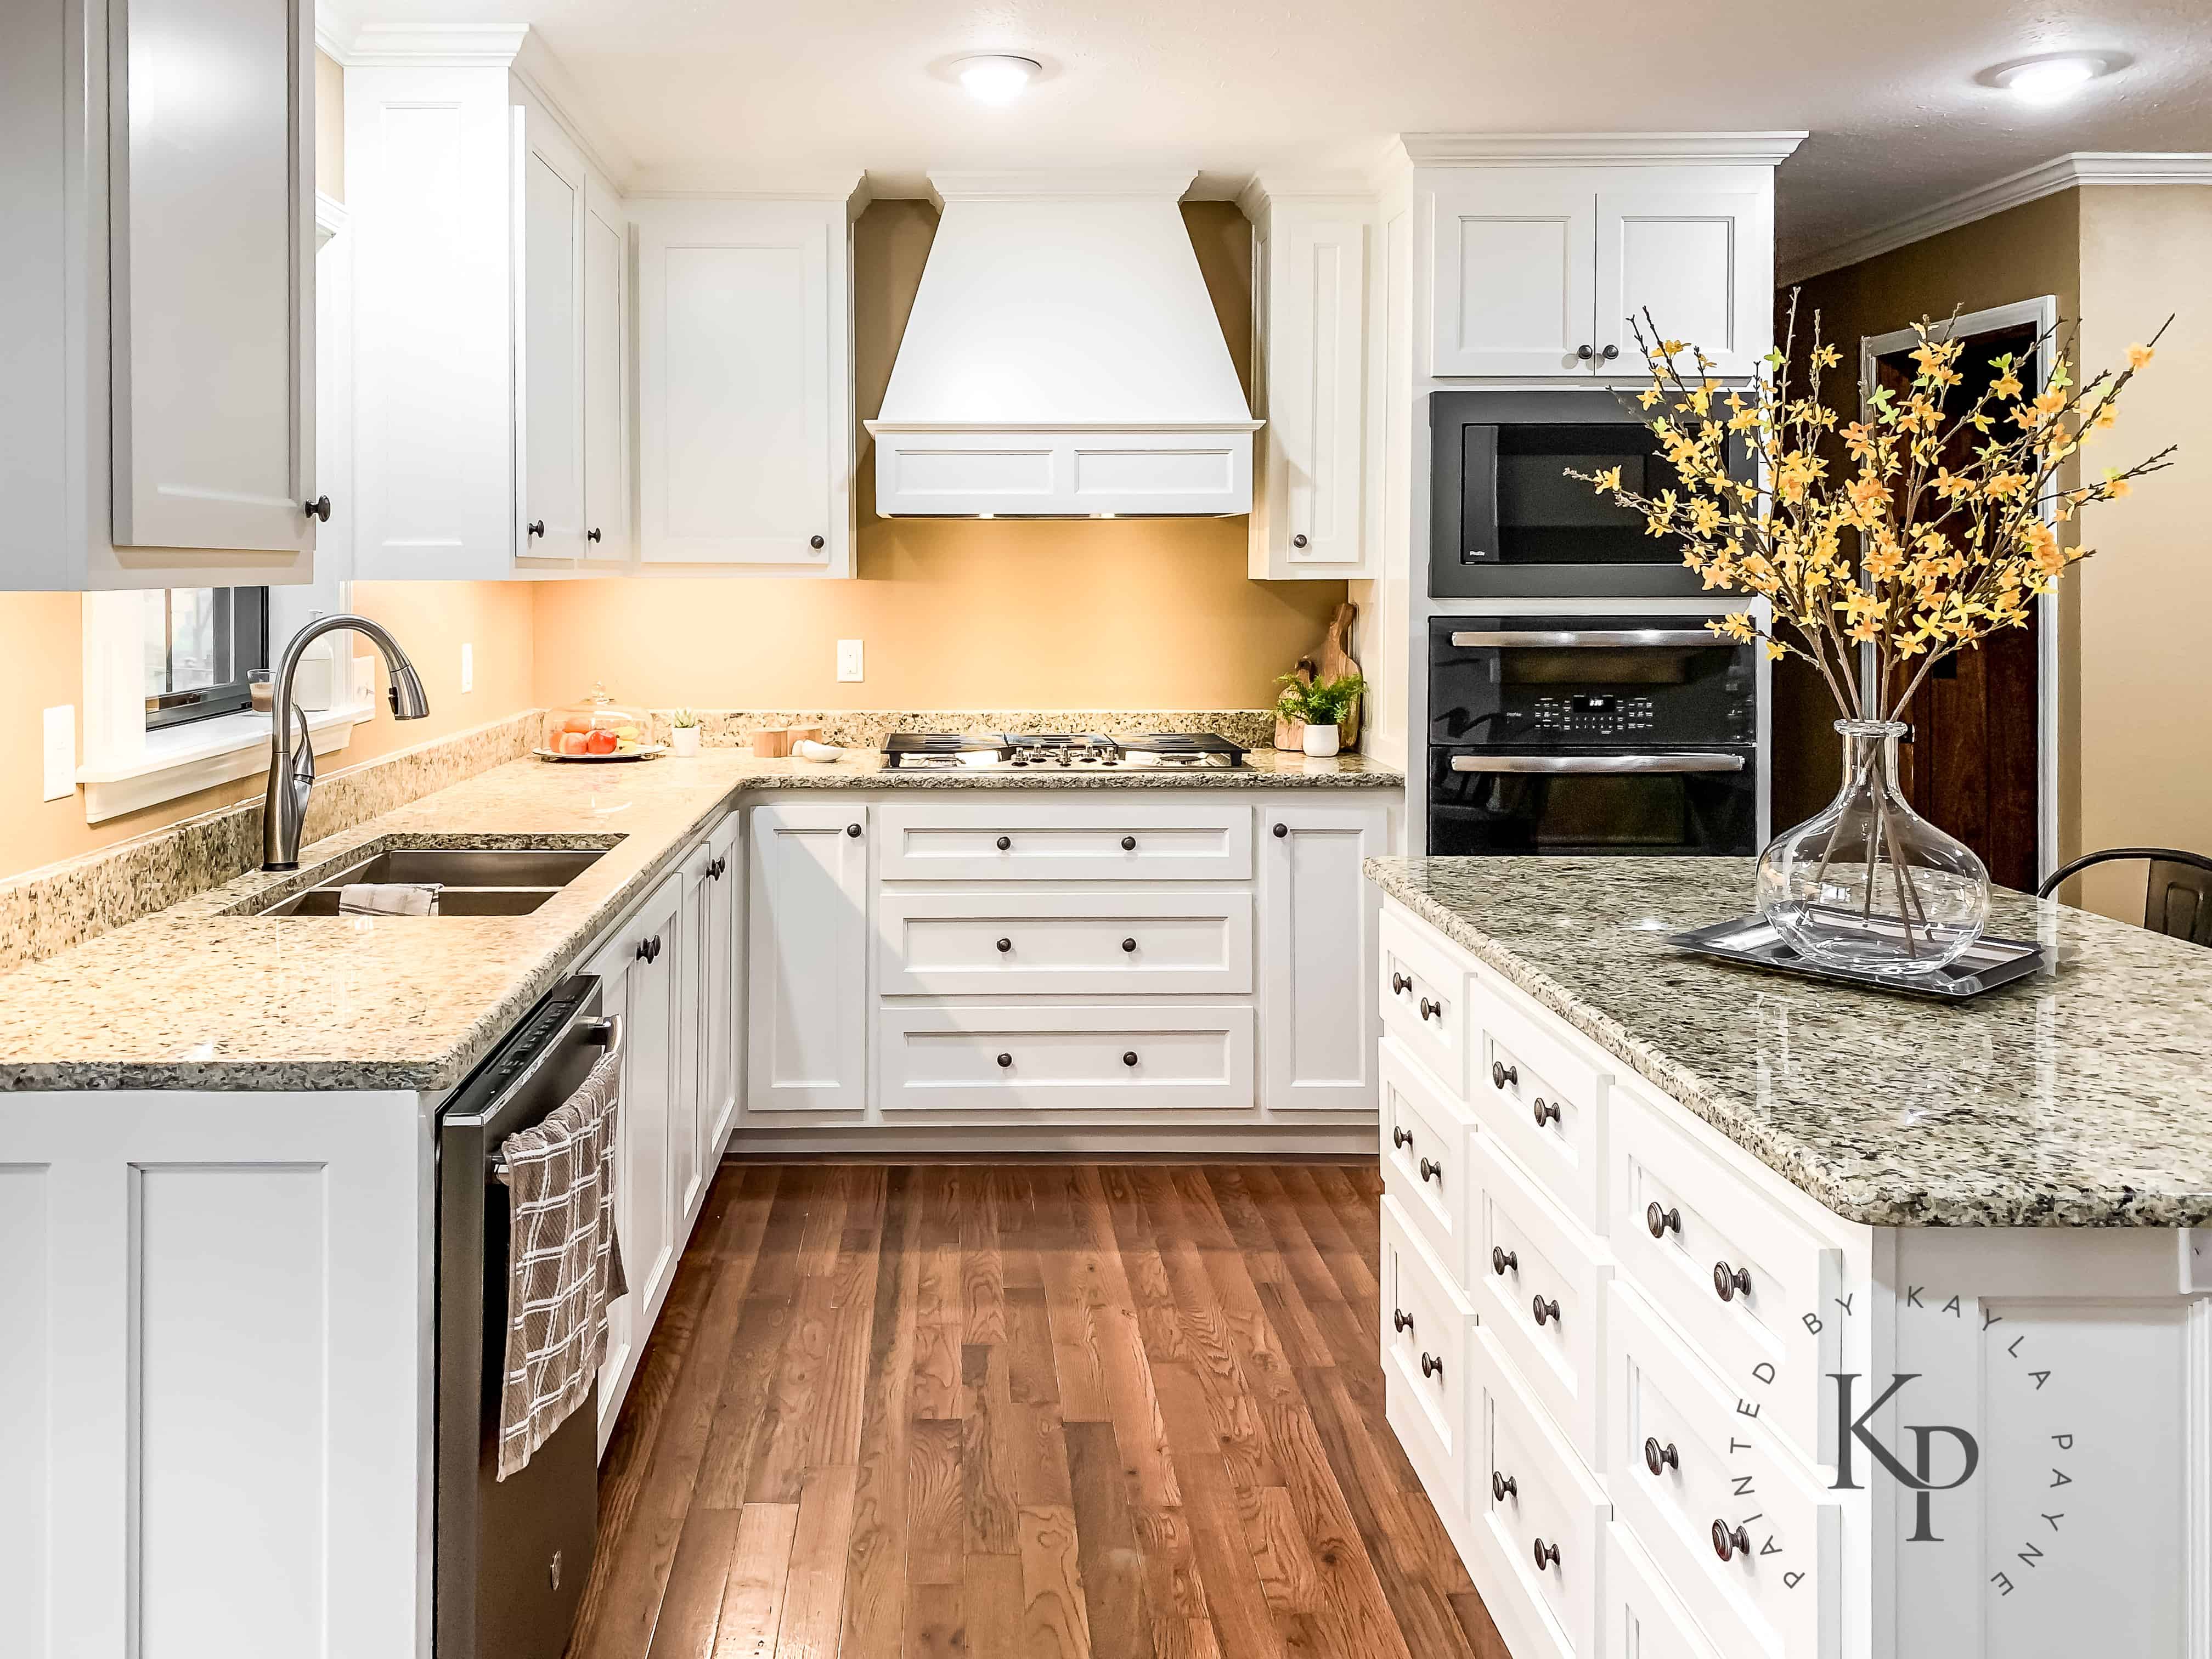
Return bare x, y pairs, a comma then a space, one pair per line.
1047, 1411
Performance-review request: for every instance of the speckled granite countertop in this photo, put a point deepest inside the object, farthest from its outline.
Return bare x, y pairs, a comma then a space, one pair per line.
207, 995
2080, 1099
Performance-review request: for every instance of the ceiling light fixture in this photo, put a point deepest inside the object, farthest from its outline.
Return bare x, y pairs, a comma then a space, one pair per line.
2050, 79
997, 78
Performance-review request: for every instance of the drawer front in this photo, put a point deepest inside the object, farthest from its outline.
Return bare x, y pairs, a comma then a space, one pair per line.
1644, 1618
1720, 1481
1539, 1515
1544, 1103
1133, 1059
1428, 1334
1715, 1231
1424, 1002
1047, 841
1004, 939
1538, 1282
1427, 1166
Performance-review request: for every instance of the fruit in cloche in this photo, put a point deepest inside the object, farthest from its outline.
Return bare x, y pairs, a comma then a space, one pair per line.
600, 743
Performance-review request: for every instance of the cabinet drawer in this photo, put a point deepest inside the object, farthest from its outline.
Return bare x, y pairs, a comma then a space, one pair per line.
1425, 1162
1051, 1058
1644, 1618
1539, 1282
1721, 1482
1539, 1515
1686, 1227
1032, 840
1424, 1002
1428, 1334
1543, 1101
1002, 939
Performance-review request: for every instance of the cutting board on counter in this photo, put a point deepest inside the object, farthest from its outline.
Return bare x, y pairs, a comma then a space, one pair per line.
1336, 662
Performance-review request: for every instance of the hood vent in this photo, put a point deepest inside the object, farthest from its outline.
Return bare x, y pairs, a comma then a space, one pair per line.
1063, 360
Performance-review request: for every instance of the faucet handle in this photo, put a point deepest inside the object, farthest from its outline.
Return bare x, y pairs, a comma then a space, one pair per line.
303, 759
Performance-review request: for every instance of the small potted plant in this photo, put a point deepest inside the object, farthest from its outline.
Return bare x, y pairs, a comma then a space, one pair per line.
684, 732
1321, 705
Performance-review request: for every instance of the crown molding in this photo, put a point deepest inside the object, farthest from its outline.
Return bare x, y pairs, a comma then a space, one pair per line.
1263, 189
1596, 148
335, 28
849, 185
1060, 185
2063, 172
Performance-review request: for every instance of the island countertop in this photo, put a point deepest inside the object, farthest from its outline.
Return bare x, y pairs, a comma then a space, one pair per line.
208, 995
2079, 1098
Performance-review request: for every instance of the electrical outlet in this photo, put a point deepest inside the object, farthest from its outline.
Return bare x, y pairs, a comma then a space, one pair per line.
848, 659
60, 767
364, 683
468, 667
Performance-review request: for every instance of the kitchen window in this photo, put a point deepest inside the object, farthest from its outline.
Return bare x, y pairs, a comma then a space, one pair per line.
200, 643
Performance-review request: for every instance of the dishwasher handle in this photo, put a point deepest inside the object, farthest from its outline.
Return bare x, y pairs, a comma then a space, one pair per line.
1556, 765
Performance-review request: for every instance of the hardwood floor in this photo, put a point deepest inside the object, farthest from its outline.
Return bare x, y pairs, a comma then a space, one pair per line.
953, 1412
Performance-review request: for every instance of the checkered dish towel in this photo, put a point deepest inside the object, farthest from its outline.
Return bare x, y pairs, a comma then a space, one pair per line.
564, 1264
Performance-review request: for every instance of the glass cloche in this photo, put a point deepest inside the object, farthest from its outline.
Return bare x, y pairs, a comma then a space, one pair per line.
594, 728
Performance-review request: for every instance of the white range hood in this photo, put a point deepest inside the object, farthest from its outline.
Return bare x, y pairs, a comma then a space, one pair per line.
1062, 360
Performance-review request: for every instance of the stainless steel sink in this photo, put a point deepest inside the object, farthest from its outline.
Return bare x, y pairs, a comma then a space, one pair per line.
476, 881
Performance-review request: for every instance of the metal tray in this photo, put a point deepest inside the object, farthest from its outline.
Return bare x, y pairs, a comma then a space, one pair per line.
1755, 944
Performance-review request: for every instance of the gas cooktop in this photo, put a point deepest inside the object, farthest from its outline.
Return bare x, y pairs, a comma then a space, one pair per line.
945, 751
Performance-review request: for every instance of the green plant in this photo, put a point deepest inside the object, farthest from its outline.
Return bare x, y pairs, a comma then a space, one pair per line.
682, 719
1323, 703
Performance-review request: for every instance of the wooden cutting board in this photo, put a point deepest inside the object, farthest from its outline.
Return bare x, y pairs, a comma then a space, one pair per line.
1336, 662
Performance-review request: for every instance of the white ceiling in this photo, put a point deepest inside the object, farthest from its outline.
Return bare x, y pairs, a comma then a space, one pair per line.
721, 93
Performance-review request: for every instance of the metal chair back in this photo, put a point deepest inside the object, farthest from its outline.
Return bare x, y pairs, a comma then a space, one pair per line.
2177, 890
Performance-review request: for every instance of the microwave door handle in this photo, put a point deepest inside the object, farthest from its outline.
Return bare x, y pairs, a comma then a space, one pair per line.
1605, 764
1611, 638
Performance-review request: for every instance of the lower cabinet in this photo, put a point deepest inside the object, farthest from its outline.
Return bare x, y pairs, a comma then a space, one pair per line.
717, 914
1317, 940
808, 966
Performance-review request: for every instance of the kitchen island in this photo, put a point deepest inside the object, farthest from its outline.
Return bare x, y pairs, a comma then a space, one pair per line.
1662, 1236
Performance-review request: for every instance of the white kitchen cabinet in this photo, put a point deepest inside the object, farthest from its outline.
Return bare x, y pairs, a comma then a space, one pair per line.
745, 385
490, 256
1697, 255
720, 915
807, 963
687, 1131
1516, 272
157, 307
1317, 938
1316, 358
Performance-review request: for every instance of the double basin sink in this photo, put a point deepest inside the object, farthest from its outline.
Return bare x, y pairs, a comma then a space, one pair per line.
475, 881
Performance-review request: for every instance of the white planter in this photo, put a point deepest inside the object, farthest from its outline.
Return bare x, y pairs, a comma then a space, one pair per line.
1321, 740
683, 739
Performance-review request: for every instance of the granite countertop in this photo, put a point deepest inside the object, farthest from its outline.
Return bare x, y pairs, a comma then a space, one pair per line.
2080, 1098
207, 995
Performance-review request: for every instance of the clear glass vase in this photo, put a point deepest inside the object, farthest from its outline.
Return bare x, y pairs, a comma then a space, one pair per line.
1870, 884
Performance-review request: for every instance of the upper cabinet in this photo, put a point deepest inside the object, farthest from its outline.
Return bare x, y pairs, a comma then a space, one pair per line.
1317, 360
745, 384
491, 270
1542, 249
157, 307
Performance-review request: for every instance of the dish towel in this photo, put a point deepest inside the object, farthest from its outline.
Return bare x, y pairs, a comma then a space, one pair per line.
390, 898
564, 1264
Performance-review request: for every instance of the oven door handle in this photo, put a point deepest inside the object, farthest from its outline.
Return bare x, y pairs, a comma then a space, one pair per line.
1611, 638
1596, 763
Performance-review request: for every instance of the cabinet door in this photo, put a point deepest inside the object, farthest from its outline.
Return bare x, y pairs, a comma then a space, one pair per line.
807, 963
725, 1004
606, 376
211, 274
744, 385
687, 1131
1514, 255
649, 1102
549, 502
624, 1333
1698, 259
1313, 445
1317, 938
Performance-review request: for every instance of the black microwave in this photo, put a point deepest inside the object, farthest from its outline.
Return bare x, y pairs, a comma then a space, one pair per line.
1507, 523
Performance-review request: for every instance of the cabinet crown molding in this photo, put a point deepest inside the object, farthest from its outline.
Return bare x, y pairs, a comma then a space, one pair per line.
1053, 183
1264, 189
1596, 148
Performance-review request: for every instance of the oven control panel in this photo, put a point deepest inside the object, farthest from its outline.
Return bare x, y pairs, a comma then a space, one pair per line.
1593, 714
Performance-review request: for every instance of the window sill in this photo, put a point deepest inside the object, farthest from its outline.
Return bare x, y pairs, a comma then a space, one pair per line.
181, 760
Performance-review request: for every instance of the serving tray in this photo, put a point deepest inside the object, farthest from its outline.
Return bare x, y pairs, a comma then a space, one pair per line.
1754, 942
643, 751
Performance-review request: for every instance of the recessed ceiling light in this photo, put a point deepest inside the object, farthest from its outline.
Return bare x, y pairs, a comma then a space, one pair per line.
2050, 79
997, 79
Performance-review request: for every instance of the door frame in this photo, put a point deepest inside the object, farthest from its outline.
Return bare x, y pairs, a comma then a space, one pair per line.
2042, 315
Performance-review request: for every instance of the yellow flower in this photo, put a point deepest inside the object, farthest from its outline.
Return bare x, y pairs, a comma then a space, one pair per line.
1609, 480
1775, 651
2139, 354
2009, 387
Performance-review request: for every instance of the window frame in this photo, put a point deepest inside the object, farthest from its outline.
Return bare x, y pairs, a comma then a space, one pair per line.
249, 634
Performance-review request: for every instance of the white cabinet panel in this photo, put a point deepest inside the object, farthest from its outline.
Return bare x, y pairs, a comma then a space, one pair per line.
606, 375
687, 1132
721, 910
550, 302
26, 1457
1318, 937
658, 1165
1133, 1056
745, 384
1700, 261
1001, 938
1515, 271
807, 963
1018, 837
1428, 1341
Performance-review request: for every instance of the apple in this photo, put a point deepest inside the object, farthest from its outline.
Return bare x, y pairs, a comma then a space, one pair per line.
600, 743
572, 743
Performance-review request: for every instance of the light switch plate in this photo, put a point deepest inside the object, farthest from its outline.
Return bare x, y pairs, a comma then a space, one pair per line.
468, 667
60, 752
848, 659
364, 682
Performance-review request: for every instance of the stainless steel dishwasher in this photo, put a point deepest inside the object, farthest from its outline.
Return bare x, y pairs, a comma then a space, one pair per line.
512, 1555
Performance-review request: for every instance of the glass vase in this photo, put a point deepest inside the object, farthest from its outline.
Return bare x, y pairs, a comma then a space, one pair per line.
1869, 885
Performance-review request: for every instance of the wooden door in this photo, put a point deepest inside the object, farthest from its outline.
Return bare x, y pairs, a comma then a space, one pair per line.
1970, 766
1516, 262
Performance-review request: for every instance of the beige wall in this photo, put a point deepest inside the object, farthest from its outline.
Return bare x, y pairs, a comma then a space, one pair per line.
960, 613
330, 127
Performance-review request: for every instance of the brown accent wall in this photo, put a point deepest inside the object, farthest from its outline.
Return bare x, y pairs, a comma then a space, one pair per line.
959, 613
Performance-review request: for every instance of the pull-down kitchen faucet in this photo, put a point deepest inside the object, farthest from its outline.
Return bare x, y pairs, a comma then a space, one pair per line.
291, 773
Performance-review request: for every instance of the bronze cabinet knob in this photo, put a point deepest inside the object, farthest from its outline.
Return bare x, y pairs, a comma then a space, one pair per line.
1545, 1311
1728, 1542
1659, 1458
1661, 1222
1501, 1259
1546, 1555
1503, 1486
1729, 1283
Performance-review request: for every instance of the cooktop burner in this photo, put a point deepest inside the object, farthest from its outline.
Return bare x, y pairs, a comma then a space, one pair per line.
985, 750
